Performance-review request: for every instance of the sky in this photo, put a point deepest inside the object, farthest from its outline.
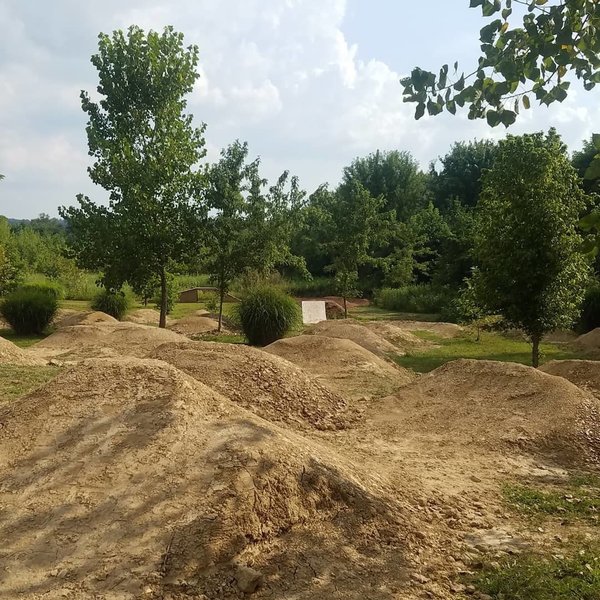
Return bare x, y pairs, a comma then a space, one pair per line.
309, 84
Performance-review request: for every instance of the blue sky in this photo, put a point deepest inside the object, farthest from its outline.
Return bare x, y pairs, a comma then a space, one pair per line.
310, 84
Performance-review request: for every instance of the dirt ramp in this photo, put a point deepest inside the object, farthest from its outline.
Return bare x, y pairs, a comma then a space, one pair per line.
90, 317
401, 338
583, 373
195, 325
443, 330
127, 479
269, 386
342, 365
589, 342
347, 329
79, 342
11, 354
497, 405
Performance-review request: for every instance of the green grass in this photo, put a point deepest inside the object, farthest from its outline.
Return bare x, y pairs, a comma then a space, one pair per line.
578, 498
492, 346
532, 577
15, 381
23, 341
373, 313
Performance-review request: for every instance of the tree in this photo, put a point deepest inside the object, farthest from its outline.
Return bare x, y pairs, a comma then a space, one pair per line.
394, 176
355, 220
145, 150
527, 248
459, 178
556, 38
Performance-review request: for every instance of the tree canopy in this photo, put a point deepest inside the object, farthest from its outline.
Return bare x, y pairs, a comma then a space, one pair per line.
555, 39
145, 148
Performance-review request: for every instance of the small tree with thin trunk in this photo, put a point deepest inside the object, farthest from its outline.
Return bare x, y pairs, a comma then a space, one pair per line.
145, 150
527, 248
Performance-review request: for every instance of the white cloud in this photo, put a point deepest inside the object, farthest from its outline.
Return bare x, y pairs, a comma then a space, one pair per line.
280, 74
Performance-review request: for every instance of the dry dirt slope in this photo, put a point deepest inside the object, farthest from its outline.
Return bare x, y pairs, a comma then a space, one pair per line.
125, 478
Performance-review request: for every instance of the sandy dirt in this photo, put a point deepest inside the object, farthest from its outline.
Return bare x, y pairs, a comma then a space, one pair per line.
443, 330
68, 318
348, 329
195, 325
342, 365
583, 373
589, 342
11, 354
271, 387
140, 482
145, 316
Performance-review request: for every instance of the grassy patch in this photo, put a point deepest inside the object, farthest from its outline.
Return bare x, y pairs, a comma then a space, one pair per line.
579, 498
492, 346
530, 577
373, 313
23, 341
15, 381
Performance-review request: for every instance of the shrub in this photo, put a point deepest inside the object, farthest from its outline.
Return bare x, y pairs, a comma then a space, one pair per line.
112, 303
46, 287
266, 314
414, 299
590, 310
29, 310
317, 287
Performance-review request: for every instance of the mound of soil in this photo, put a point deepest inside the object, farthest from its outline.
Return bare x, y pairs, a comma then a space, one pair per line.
125, 478
11, 354
269, 386
195, 324
348, 329
589, 342
583, 373
68, 318
342, 365
104, 339
401, 338
496, 404
443, 330
144, 316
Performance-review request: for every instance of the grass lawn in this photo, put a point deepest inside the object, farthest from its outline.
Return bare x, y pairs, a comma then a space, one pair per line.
373, 313
492, 346
23, 341
15, 381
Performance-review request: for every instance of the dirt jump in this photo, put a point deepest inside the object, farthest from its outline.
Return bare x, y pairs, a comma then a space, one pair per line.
342, 365
11, 354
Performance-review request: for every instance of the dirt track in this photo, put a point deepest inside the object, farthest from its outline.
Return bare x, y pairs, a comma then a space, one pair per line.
131, 477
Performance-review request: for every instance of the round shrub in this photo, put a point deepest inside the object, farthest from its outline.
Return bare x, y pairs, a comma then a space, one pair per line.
46, 287
266, 314
590, 310
29, 310
115, 304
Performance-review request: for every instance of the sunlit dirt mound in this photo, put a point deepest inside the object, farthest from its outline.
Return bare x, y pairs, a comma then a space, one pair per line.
195, 324
104, 339
11, 354
267, 385
443, 330
403, 339
125, 478
583, 373
497, 405
352, 330
342, 365
70, 318
144, 316
589, 342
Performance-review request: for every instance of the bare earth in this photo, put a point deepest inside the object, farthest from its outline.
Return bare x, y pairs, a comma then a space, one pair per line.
184, 470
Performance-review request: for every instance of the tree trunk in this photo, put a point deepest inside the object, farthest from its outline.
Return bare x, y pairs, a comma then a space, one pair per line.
345, 308
535, 350
221, 300
163, 299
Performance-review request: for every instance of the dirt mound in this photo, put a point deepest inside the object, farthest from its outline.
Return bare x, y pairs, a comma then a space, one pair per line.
443, 330
104, 339
589, 342
269, 386
89, 317
401, 338
11, 354
583, 373
125, 478
194, 325
347, 329
342, 365
144, 316
497, 405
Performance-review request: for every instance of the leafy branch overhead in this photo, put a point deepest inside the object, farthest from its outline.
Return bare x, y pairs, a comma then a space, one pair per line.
517, 64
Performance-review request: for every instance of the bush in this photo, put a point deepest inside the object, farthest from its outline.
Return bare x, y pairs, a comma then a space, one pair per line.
590, 310
29, 310
317, 287
415, 299
112, 303
266, 314
46, 287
